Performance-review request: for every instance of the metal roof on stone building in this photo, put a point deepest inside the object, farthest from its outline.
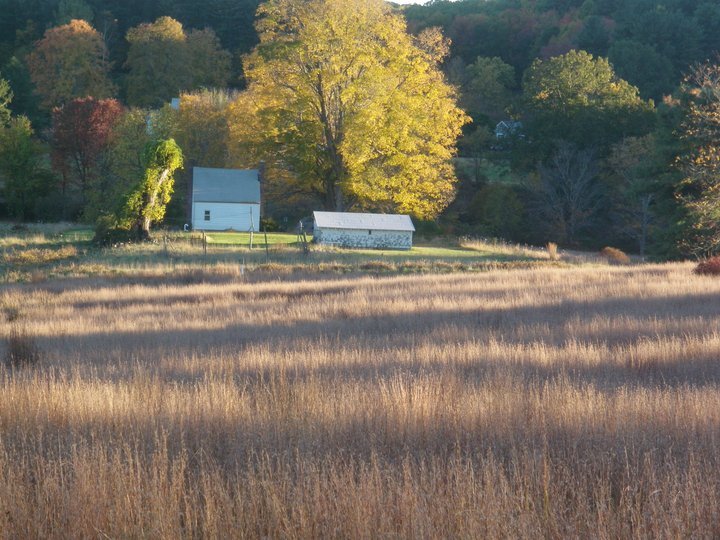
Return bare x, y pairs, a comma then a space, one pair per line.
351, 220
226, 185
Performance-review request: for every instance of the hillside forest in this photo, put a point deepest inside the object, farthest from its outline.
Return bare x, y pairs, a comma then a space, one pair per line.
582, 122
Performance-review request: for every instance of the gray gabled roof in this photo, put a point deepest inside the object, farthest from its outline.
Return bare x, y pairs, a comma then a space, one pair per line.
226, 185
350, 220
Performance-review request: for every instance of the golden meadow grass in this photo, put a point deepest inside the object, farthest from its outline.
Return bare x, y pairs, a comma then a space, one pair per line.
539, 402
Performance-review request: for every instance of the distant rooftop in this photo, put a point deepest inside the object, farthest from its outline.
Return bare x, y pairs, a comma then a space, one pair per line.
226, 185
351, 220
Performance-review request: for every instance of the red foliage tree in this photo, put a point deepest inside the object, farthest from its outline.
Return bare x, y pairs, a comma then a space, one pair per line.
80, 134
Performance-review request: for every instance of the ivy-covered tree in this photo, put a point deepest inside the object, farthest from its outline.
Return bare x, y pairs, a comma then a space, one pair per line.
145, 202
124, 160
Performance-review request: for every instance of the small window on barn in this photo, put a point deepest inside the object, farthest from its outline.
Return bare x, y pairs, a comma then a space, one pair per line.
207, 215
369, 232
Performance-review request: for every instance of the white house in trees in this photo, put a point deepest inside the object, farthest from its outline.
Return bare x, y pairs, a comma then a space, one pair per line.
508, 128
226, 199
380, 231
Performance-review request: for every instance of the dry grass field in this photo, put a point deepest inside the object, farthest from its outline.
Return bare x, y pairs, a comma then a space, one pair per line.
580, 403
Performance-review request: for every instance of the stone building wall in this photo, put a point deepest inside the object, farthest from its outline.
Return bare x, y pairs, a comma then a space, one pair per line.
363, 238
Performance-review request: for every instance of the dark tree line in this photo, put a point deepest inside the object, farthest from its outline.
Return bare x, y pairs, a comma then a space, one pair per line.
650, 44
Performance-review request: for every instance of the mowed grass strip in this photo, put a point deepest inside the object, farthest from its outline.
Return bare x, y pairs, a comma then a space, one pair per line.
532, 403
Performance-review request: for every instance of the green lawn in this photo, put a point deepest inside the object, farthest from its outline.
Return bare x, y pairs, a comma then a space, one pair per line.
448, 249
243, 239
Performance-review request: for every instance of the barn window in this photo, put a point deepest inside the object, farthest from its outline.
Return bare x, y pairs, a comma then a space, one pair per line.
207, 215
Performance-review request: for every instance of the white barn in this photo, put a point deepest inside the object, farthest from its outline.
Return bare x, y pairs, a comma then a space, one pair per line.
224, 199
380, 231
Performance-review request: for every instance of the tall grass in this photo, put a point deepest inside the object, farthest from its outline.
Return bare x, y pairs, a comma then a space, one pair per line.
526, 403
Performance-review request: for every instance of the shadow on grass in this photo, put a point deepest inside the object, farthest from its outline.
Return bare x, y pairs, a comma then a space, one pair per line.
384, 334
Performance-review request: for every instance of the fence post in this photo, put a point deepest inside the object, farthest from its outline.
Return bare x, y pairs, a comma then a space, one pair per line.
267, 248
306, 248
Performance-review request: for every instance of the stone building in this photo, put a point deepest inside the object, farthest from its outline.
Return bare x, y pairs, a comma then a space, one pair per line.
378, 231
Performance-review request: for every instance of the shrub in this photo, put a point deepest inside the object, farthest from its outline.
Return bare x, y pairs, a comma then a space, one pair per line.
107, 232
709, 267
377, 266
21, 351
614, 255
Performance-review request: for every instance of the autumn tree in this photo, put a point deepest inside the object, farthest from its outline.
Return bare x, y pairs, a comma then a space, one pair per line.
80, 134
145, 202
349, 107
632, 161
22, 167
579, 98
6, 97
208, 64
700, 189
123, 159
568, 196
164, 60
489, 89
201, 129
70, 61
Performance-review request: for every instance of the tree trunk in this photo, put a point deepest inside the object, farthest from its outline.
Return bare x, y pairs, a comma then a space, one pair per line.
332, 124
144, 219
645, 203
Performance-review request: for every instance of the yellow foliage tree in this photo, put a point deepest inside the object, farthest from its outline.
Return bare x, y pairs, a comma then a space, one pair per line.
201, 127
164, 60
343, 101
699, 191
